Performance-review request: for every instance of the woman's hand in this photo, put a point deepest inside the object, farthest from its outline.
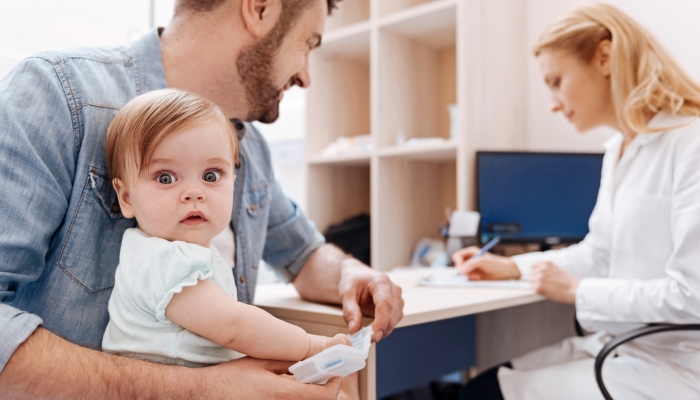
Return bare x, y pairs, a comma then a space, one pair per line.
553, 283
486, 267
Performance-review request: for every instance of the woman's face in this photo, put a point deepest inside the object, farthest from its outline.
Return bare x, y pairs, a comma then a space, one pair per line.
579, 90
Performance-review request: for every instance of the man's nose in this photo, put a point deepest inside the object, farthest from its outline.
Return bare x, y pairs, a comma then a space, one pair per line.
193, 193
303, 78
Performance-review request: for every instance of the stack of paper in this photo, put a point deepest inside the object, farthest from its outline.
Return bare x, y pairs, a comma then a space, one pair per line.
463, 281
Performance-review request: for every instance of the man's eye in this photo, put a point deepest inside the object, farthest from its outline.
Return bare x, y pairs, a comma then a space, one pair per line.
211, 176
166, 179
555, 83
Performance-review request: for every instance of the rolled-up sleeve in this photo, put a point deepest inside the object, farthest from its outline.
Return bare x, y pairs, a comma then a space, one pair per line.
37, 166
291, 237
15, 327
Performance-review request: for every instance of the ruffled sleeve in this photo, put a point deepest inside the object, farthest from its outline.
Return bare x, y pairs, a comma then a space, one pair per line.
158, 269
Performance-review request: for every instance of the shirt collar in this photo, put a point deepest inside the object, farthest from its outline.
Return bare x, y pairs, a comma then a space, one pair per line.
662, 120
148, 63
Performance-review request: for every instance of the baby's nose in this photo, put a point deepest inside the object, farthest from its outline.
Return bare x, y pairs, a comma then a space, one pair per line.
192, 194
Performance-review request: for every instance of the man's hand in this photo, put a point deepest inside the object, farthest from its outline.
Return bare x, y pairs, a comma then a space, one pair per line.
487, 267
331, 276
364, 291
553, 283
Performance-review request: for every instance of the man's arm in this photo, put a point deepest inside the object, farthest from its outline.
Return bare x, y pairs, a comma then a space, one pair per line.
48, 367
331, 276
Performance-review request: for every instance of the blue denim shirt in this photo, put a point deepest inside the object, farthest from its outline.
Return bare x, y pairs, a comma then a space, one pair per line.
61, 225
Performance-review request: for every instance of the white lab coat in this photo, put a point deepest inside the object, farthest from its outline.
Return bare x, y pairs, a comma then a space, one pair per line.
640, 264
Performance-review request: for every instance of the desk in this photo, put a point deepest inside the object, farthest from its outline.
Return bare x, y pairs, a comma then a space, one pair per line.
430, 314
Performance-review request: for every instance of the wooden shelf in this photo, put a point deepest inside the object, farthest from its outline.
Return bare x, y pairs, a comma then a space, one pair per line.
350, 159
433, 24
350, 42
393, 7
430, 152
392, 69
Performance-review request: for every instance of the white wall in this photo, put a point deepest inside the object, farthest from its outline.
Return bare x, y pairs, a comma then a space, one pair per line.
676, 25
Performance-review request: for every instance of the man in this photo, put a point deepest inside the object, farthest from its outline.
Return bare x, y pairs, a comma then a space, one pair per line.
62, 225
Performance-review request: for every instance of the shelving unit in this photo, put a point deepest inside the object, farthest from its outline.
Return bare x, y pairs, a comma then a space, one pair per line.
390, 69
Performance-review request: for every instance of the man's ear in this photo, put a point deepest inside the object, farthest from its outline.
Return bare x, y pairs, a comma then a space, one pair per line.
260, 16
602, 57
123, 197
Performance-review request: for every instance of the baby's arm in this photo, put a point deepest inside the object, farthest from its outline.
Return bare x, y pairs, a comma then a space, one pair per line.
208, 311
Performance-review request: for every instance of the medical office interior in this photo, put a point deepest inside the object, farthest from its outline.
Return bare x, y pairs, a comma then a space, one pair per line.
421, 113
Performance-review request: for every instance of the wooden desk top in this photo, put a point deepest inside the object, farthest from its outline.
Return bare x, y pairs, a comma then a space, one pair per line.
422, 303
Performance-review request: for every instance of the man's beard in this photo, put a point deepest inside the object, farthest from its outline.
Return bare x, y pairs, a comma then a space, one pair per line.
255, 71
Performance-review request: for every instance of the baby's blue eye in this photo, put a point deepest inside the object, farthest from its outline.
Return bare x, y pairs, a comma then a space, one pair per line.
211, 176
166, 179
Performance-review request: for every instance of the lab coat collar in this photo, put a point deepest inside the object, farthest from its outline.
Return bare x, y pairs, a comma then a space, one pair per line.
663, 119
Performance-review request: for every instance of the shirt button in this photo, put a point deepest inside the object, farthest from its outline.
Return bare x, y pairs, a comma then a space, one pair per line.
115, 208
252, 207
242, 279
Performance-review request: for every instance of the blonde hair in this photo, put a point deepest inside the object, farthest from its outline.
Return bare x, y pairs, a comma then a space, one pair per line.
644, 78
147, 120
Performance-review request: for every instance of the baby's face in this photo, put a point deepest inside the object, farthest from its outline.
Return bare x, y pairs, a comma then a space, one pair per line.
186, 193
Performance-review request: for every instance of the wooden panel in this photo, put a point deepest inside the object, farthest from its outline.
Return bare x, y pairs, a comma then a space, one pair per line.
447, 87
336, 193
390, 6
414, 196
512, 332
338, 100
348, 12
408, 89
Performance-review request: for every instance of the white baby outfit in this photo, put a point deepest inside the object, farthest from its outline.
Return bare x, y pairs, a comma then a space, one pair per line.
151, 270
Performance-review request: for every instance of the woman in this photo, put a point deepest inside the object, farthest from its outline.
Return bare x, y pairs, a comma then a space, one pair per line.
640, 263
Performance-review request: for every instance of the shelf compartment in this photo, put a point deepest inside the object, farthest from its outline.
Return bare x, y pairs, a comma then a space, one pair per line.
430, 152
337, 192
413, 196
405, 9
338, 101
347, 13
417, 74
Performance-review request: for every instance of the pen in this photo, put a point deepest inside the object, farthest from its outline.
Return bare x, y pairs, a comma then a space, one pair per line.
487, 247
484, 249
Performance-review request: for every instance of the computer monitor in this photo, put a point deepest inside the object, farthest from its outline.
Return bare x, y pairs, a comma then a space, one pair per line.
530, 197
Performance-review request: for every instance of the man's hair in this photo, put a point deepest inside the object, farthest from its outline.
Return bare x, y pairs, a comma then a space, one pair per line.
210, 5
147, 120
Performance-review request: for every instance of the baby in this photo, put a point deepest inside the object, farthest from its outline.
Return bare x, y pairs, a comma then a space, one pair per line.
171, 157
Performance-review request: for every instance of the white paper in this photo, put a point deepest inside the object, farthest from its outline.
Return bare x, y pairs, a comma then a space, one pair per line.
463, 281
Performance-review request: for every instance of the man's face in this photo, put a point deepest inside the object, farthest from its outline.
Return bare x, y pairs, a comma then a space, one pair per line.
279, 61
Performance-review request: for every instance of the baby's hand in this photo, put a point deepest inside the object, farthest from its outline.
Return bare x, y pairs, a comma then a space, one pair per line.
320, 343
339, 339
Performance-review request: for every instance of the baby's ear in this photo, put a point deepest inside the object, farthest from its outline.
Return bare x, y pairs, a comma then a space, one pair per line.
123, 195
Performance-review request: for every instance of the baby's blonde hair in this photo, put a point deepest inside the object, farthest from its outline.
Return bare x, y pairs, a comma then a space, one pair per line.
644, 78
147, 120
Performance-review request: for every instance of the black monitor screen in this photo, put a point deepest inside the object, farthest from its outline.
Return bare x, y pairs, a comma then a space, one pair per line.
536, 197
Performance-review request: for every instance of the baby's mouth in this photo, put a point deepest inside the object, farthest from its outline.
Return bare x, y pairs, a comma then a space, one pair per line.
194, 218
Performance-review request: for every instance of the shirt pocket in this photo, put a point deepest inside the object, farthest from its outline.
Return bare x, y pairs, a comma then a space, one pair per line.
90, 252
